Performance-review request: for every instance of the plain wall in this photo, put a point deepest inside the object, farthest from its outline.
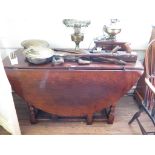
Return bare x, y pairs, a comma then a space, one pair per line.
42, 19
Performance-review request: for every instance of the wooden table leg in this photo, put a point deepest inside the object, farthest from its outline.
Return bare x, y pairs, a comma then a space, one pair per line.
111, 115
89, 119
32, 110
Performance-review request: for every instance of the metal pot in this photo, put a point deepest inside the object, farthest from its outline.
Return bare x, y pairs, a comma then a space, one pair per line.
38, 55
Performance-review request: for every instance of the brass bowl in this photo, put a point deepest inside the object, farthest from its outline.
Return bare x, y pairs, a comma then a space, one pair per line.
38, 55
34, 42
112, 32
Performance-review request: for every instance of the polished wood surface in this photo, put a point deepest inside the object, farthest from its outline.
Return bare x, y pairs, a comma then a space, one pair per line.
70, 89
22, 63
111, 44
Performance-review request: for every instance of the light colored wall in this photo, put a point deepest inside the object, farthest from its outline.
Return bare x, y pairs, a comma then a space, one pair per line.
5, 52
33, 19
8, 117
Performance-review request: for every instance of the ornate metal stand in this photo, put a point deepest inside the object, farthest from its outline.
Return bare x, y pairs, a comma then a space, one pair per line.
77, 36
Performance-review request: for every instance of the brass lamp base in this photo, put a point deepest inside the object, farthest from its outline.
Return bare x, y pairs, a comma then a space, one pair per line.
77, 38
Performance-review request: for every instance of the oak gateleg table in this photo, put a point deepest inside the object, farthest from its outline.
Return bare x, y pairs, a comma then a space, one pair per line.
71, 89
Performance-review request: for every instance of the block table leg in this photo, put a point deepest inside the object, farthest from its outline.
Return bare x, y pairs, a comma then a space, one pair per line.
89, 119
32, 110
111, 115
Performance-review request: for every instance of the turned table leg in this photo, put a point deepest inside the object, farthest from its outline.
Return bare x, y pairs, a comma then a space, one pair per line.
33, 112
89, 119
111, 115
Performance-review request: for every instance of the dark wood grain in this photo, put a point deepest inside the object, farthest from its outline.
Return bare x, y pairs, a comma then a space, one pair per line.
111, 44
71, 90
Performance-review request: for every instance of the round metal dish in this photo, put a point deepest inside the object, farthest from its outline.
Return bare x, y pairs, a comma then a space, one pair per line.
75, 22
34, 42
38, 55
